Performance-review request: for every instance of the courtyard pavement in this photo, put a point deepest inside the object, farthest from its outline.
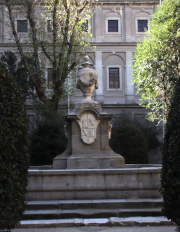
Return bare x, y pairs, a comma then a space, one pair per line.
101, 229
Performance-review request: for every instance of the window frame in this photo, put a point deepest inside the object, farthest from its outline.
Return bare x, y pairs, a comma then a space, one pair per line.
136, 24
119, 26
120, 77
47, 26
89, 25
16, 24
50, 88
87, 20
146, 21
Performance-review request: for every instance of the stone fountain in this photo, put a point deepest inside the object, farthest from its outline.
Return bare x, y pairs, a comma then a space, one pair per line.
89, 130
89, 169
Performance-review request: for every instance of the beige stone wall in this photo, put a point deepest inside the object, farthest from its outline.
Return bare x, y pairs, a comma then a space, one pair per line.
116, 49
113, 49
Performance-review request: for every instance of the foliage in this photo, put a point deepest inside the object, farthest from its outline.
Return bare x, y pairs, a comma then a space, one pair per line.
10, 61
170, 178
14, 158
19, 72
128, 140
48, 138
149, 129
56, 38
157, 67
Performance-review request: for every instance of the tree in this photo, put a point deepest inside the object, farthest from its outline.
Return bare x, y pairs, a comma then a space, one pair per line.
170, 177
14, 157
19, 73
56, 35
10, 61
157, 60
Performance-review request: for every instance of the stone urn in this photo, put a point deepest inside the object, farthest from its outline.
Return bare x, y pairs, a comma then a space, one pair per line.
87, 80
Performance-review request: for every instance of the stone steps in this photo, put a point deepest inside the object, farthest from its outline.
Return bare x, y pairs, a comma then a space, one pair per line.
89, 213
112, 221
95, 204
68, 209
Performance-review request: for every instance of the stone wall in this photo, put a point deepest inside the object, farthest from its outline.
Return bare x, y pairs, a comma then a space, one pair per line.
124, 183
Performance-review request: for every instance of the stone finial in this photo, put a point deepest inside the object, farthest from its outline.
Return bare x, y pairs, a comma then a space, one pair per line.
87, 80
86, 58
86, 63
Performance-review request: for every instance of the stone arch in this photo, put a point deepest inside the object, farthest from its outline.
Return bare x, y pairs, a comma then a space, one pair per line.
106, 58
112, 14
142, 14
91, 60
114, 62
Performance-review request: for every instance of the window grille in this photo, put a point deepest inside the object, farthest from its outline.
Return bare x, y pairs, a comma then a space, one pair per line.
142, 25
50, 25
85, 26
112, 25
114, 78
21, 25
50, 78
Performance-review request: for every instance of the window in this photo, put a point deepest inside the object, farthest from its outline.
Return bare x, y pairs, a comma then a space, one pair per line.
21, 25
50, 78
114, 78
84, 26
50, 25
112, 25
142, 25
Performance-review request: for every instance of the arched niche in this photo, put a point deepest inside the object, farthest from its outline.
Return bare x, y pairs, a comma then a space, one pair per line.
113, 65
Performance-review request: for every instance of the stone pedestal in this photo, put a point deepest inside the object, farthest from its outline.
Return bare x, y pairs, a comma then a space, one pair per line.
88, 137
88, 130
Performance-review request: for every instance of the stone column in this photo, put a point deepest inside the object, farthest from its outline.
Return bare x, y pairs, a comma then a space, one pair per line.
98, 27
98, 66
128, 23
129, 86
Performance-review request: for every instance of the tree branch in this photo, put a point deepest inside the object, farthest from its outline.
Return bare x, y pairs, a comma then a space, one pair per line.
38, 89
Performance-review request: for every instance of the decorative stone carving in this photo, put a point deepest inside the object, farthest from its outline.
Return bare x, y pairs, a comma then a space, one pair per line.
66, 131
87, 80
109, 130
88, 125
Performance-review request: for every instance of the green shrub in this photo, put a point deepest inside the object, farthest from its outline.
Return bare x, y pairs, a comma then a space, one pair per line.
149, 129
14, 158
47, 139
170, 178
128, 141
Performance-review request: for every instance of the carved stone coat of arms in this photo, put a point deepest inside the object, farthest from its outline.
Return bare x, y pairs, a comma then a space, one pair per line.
88, 125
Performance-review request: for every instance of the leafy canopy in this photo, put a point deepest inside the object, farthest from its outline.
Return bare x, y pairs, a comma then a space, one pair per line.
56, 39
157, 67
20, 74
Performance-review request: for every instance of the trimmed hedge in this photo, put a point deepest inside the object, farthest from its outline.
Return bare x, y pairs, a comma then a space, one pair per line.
128, 141
14, 157
170, 178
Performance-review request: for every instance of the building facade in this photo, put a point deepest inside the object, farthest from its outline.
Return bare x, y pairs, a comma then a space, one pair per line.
117, 26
